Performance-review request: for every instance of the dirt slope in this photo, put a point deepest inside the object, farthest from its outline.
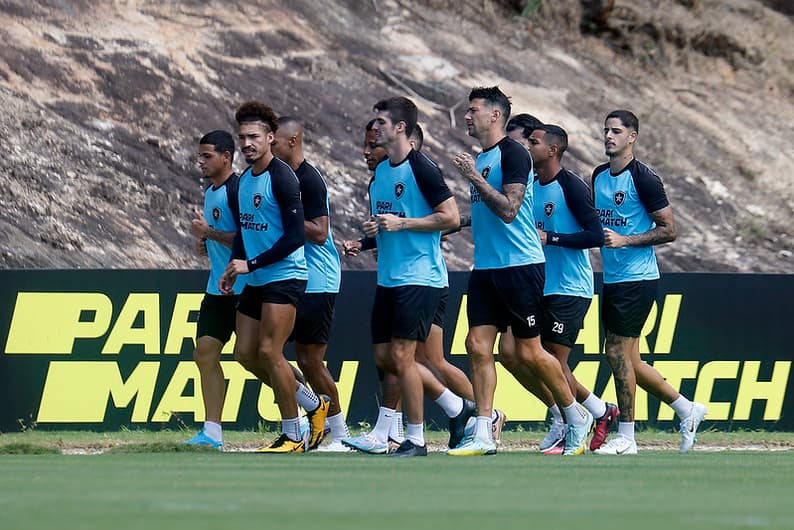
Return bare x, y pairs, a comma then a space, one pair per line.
104, 102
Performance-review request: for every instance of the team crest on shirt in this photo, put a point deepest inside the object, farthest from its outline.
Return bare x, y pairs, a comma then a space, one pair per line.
257, 200
399, 190
548, 209
485, 172
619, 197
216, 213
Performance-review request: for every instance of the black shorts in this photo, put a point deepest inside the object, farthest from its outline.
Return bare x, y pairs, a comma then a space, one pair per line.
512, 296
404, 312
314, 318
563, 317
216, 317
441, 310
281, 292
625, 306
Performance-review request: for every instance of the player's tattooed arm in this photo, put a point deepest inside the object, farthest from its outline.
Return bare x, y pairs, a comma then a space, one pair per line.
504, 203
663, 232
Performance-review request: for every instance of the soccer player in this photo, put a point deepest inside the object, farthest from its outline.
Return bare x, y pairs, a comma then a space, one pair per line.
435, 370
635, 216
214, 229
506, 285
315, 311
568, 225
411, 204
268, 249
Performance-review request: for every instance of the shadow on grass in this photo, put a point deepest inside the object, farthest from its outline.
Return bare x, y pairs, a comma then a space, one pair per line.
27, 449
159, 447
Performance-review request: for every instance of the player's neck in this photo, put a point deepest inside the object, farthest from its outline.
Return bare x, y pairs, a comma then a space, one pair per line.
619, 161
295, 160
260, 165
491, 138
218, 181
548, 171
398, 150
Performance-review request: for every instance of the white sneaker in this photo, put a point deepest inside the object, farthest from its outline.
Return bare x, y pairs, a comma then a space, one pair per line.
335, 446
556, 433
689, 427
618, 445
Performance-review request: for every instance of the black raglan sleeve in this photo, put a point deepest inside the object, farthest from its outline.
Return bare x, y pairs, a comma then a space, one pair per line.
649, 187
429, 179
314, 193
516, 163
233, 199
580, 203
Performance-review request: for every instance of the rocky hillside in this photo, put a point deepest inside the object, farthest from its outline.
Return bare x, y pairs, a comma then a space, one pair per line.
102, 105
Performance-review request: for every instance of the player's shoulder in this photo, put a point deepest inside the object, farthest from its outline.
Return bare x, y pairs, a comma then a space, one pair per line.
247, 172
642, 170
568, 178
277, 165
510, 147
423, 163
600, 169
308, 170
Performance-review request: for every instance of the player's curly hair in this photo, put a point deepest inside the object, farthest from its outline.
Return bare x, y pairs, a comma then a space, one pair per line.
256, 111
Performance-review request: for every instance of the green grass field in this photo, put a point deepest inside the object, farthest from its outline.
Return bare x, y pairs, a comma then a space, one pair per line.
154, 486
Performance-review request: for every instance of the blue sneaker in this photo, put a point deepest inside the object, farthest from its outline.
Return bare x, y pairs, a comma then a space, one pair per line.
205, 441
305, 429
367, 443
473, 446
576, 436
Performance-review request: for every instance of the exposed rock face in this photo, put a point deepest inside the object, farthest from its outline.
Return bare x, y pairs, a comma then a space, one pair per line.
102, 106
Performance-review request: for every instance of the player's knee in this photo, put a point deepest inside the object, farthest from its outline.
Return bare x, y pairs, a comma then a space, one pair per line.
476, 347
383, 362
244, 356
205, 358
309, 365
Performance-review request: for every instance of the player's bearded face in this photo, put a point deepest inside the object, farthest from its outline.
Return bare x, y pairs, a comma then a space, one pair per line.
617, 138
255, 139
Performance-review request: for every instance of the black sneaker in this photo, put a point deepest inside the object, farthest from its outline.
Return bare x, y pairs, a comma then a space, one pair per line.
458, 424
407, 448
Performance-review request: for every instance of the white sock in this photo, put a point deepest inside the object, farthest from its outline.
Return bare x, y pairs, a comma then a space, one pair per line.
338, 426
213, 431
682, 407
306, 398
484, 429
381, 429
291, 427
303, 421
396, 429
595, 405
556, 415
575, 414
626, 429
494, 415
451, 403
416, 433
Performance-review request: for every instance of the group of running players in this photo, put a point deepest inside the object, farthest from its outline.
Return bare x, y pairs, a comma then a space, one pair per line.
275, 272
